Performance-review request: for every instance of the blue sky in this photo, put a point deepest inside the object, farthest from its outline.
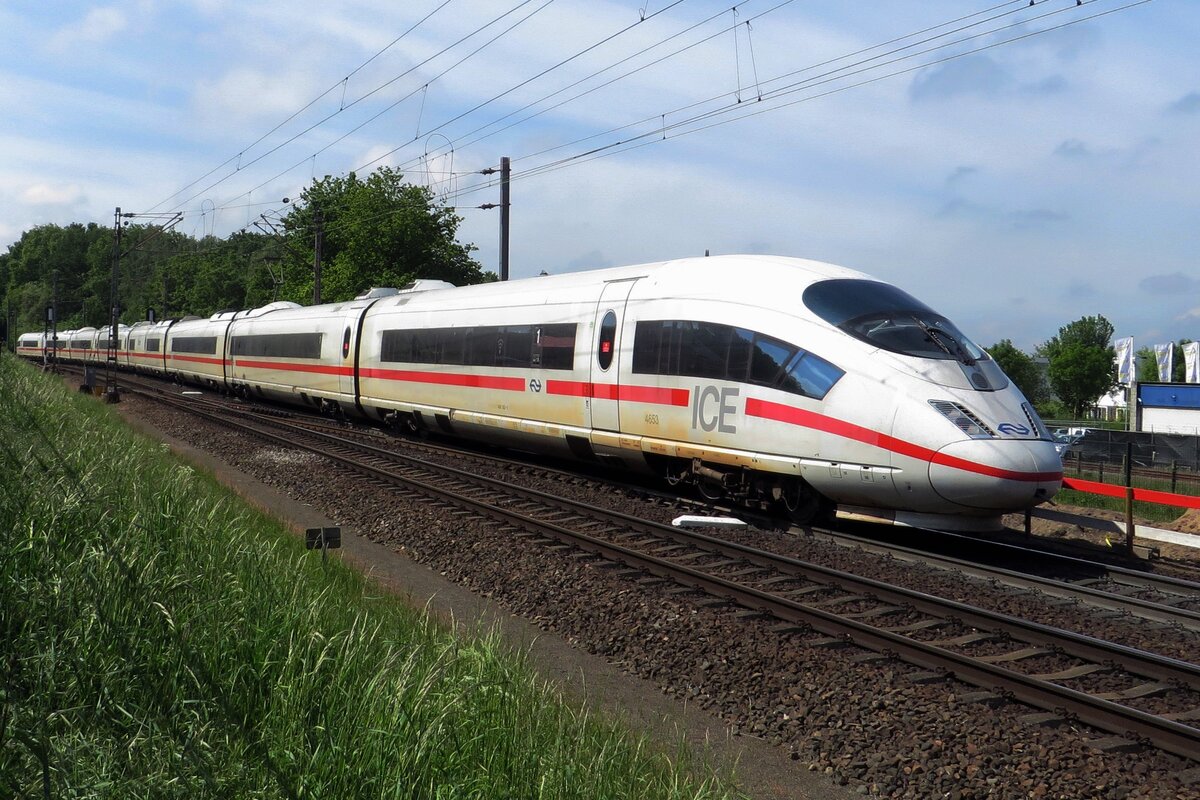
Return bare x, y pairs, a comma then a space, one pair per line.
1014, 189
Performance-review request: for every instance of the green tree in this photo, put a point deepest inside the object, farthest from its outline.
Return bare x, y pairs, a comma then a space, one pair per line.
1022, 370
1081, 362
1145, 364
376, 232
45, 259
1179, 373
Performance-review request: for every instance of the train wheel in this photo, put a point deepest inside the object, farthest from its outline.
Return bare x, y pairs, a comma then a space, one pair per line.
800, 501
710, 491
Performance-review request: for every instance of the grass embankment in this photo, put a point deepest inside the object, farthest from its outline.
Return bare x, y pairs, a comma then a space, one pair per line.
159, 638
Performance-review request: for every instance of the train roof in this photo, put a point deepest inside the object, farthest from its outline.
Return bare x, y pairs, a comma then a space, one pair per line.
733, 278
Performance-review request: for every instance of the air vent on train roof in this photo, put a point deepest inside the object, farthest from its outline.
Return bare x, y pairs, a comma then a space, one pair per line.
424, 285
377, 291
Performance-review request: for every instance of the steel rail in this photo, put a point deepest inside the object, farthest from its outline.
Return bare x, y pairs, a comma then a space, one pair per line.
1147, 609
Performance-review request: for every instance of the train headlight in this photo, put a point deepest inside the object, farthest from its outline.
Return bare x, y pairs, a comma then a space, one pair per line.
963, 419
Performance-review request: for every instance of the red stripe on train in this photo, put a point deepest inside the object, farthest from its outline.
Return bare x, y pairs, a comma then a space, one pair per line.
810, 419
447, 379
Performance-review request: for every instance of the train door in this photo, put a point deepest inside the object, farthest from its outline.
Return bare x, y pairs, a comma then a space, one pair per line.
606, 345
348, 356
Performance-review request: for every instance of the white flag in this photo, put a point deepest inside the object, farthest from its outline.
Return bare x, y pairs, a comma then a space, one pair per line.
1191, 362
1164, 354
1124, 359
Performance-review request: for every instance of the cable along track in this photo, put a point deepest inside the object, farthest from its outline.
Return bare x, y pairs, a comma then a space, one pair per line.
975, 646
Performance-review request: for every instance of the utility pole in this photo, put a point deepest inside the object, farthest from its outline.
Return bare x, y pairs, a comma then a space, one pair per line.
505, 173
110, 377
319, 222
54, 319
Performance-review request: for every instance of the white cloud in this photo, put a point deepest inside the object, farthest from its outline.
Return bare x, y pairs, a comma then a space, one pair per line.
40, 194
98, 26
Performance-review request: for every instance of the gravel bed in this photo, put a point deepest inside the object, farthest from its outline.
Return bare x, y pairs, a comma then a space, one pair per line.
875, 724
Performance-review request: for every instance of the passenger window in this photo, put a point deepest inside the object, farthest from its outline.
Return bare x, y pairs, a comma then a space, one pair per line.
346, 343
811, 376
608, 337
704, 349
769, 358
741, 347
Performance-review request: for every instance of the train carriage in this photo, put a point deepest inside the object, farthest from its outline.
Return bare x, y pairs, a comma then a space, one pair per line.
104, 343
763, 378
195, 349
32, 345
147, 345
80, 344
290, 353
481, 361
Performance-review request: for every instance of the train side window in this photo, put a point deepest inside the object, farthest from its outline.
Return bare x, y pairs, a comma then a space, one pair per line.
554, 345
608, 338
480, 344
425, 347
346, 342
704, 350
768, 360
741, 349
811, 376
647, 345
395, 346
453, 344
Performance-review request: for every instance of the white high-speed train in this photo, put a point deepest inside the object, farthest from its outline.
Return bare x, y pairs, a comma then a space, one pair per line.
761, 379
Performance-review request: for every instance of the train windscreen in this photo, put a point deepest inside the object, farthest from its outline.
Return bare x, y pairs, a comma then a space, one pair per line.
889, 318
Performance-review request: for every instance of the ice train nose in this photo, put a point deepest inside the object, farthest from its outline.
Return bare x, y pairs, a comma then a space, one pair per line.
996, 474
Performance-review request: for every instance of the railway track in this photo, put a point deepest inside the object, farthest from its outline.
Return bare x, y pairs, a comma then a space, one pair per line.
1137, 695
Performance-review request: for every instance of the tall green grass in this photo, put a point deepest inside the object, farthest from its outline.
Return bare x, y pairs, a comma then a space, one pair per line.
160, 639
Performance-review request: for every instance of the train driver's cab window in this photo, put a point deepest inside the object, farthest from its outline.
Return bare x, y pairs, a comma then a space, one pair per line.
886, 317
608, 337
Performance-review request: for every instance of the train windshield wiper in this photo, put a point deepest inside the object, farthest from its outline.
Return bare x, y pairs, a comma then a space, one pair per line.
940, 338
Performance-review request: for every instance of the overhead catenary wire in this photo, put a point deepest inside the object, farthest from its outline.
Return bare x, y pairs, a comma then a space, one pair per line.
340, 111
1013, 6
343, 82
773, 98
477, 107
758, 108
422, 89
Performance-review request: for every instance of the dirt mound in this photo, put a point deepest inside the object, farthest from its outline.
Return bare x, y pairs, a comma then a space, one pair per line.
1189, 522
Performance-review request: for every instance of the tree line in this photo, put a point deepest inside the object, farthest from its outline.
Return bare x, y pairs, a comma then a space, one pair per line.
377, 231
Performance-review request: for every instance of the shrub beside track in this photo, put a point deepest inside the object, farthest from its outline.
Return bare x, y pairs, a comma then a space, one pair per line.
158, 637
